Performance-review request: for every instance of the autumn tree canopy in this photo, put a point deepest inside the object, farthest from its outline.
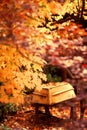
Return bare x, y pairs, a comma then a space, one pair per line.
32, 32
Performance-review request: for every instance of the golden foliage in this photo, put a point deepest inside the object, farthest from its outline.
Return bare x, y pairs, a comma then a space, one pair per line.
16, 72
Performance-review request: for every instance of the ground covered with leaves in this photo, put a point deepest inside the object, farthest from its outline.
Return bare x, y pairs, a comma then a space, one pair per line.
26, 119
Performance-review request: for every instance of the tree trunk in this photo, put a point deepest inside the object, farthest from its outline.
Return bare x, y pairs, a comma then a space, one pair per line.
83, 7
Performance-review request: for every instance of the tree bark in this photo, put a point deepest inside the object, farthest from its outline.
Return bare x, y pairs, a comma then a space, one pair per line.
83, 7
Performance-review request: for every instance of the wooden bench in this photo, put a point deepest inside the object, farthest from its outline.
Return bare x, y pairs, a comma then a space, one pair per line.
53, 94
